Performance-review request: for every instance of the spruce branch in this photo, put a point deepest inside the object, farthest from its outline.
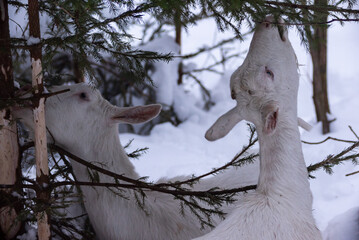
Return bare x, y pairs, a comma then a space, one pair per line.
19, 101
132, 13
326, 8
341, 20
204, 89
137, 184
236, 161
336, 159
137, 153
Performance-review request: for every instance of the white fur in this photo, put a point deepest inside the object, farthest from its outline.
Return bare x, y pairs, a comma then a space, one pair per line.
85, 128
281, 206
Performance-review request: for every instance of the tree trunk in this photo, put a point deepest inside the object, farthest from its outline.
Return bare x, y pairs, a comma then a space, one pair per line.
42, 169
318, 51
9, 148
178, 30
78, 70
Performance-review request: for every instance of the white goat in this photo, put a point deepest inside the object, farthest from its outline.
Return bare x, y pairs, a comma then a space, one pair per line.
86, 125
265, 88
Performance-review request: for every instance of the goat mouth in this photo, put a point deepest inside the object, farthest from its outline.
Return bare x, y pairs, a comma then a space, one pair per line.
270, 122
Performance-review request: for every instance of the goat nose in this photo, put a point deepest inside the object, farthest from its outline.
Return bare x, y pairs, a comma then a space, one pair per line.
267, 24
268, 21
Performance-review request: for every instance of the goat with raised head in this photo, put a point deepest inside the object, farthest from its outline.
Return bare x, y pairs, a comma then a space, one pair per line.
265, 87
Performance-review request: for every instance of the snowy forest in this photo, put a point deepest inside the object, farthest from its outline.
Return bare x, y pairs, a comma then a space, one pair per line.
110, 109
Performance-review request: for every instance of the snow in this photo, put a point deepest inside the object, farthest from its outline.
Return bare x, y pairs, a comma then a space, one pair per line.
183, 150
32, 41
189, 67
347, 223
30, 233
166, 74
16, 84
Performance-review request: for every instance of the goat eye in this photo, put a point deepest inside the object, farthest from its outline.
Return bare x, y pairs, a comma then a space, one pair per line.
233, 94
83, 96
250, 92
269, 73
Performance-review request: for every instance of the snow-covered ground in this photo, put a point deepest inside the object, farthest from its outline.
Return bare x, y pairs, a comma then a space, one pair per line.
183, 150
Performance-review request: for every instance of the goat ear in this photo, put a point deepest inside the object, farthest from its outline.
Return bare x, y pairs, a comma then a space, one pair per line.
270, 122
223, 125
138, 114
270, 115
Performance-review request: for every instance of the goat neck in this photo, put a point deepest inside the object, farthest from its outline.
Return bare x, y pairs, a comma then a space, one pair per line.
104, 148
282, 166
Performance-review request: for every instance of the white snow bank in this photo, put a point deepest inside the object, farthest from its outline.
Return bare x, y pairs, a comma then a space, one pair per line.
343, 227
165, 74
32, 40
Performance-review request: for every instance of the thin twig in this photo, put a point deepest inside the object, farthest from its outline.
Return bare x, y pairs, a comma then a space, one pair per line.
206, 49
318, 23
65, 10
210, 67
327, 8
335, 139
200, 84
155, 187
351, 129
329, 138
349, 174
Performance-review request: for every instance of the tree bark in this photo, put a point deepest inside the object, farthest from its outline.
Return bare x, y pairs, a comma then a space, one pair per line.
42, 169
318, 51
178, 30
78, 71
9, 148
